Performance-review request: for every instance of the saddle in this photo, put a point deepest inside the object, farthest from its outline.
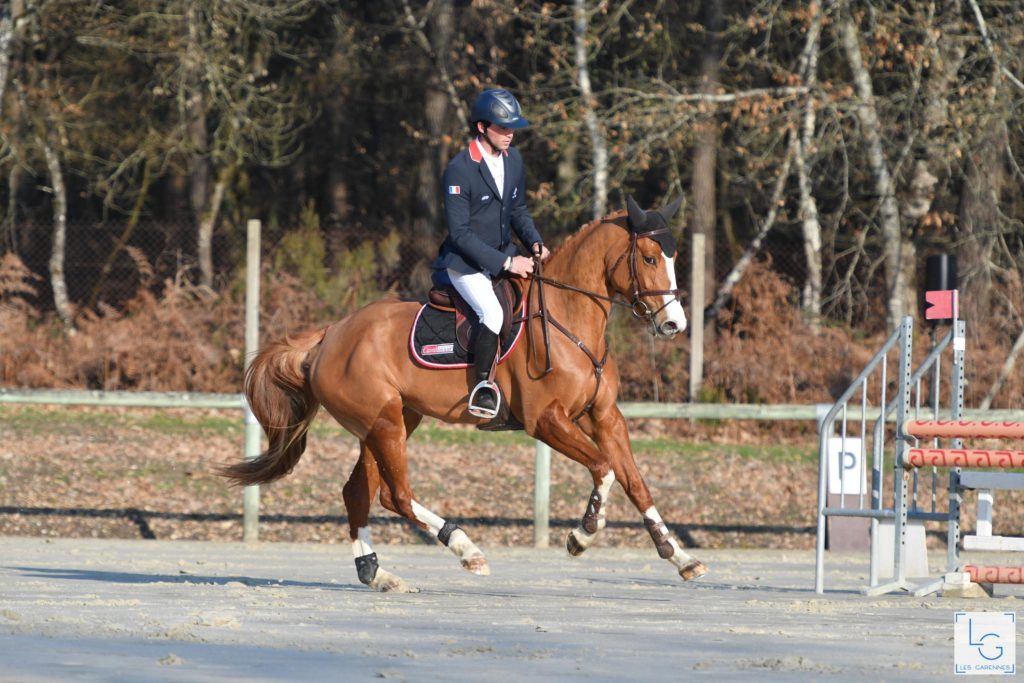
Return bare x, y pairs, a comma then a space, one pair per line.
448, 299
442, 336
443, 333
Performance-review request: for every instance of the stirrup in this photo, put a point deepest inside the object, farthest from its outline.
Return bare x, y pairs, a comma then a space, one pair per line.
479, 411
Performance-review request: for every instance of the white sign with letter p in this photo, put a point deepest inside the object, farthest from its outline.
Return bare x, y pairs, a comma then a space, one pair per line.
845, 465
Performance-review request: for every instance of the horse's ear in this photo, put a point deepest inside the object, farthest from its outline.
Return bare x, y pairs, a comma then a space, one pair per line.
669, 211
637, 216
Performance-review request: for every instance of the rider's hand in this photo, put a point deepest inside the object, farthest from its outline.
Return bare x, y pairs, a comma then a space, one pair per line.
521, 266
540, 251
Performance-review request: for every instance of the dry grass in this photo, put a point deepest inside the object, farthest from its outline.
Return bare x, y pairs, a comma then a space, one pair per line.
137, 473
190, 339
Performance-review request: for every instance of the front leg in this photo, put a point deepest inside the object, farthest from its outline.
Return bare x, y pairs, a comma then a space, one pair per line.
583, 536
554, 428
608, 428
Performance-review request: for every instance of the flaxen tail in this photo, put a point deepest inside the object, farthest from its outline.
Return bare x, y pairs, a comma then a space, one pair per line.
278, 391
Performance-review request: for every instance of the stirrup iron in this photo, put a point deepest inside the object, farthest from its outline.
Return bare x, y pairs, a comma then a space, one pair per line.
478, 411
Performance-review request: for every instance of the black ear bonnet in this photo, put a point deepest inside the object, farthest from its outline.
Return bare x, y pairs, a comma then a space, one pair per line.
642, 222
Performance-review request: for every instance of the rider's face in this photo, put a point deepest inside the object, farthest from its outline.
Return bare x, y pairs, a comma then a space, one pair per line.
499, 137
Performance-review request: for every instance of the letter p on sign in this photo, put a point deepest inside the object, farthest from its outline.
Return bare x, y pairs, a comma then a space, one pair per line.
845, 465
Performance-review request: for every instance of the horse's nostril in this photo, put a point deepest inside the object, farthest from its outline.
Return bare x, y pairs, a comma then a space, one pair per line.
669, 328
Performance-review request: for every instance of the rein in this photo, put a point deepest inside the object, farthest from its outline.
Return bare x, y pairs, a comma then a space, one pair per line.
638, 308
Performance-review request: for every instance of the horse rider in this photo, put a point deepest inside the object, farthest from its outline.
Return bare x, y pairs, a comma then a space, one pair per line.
484, 190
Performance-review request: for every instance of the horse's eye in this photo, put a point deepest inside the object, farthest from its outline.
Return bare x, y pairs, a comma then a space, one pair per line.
650, 260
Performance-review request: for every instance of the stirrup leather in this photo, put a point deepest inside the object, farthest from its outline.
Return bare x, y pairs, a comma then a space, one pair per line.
478, 411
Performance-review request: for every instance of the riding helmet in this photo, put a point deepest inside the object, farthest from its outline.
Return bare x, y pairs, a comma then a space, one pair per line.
500, 107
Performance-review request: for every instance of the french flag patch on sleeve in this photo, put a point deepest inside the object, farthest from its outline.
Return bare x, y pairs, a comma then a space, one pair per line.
454, 189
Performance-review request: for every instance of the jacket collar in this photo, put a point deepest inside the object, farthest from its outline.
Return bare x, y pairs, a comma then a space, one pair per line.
476, 153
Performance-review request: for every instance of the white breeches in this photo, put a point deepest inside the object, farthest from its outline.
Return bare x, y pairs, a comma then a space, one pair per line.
478, 291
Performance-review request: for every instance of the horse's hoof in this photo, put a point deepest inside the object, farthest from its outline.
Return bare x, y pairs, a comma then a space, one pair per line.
478, 565
389, 583
694, 569
573, 545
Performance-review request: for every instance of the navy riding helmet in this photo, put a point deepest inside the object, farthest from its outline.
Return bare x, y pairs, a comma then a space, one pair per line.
499, 107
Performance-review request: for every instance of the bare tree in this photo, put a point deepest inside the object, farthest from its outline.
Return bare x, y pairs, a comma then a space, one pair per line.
47, 126
235, 111
706, 152
433, 33
798, 149
870, 129
987, 162
598, 145
6, 38
808, 206
8, 18
733, 277
58, 248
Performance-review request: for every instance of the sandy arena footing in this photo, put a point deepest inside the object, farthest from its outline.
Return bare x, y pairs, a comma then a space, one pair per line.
140, 611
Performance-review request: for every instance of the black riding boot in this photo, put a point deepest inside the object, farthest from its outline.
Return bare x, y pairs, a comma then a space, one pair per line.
484, 399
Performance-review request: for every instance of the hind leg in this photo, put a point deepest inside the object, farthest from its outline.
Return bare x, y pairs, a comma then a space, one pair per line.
361, 487
387, 442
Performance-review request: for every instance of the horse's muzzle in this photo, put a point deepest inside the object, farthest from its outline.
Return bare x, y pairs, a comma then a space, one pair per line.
669, 328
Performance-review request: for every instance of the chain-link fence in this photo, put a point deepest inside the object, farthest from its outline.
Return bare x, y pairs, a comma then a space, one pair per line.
105, 263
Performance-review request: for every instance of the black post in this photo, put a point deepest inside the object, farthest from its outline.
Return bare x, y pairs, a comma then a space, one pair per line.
939, 275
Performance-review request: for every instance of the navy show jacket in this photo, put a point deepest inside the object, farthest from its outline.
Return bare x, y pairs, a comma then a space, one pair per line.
480, 221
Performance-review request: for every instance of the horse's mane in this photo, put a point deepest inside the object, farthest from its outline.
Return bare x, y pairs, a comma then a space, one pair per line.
586, 229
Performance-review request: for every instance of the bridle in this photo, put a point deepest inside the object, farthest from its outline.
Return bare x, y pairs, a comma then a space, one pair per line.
638, 307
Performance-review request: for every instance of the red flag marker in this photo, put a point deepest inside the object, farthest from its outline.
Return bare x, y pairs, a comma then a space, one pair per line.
943, 304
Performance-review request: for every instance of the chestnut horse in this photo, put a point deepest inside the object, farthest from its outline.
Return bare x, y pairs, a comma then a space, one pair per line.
561, 385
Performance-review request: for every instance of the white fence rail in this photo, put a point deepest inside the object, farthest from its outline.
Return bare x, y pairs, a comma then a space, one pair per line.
542, 478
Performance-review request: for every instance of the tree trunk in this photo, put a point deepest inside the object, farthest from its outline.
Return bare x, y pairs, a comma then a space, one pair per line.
892, 237
979, 221
980, 217
10, 221
200, 170
126, 234
741, 265
598, 145
6, 36
810, 223
8, 30
428, 228
60, 229
436, 114
705, 160
207, 222
337, 189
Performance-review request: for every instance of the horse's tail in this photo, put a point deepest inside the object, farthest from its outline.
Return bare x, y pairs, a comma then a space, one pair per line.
278, 391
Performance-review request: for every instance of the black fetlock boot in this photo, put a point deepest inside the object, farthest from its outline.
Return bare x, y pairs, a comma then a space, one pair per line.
484, 400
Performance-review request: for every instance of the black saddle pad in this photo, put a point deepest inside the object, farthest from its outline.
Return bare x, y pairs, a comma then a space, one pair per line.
432, 341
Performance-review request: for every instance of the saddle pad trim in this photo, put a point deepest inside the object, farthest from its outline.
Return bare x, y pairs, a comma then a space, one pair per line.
455, 366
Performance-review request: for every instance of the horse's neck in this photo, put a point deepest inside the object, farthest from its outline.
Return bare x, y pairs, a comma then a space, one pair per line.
579, 269
582, 263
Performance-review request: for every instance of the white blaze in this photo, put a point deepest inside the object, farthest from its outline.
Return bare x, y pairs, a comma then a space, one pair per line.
674, 310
